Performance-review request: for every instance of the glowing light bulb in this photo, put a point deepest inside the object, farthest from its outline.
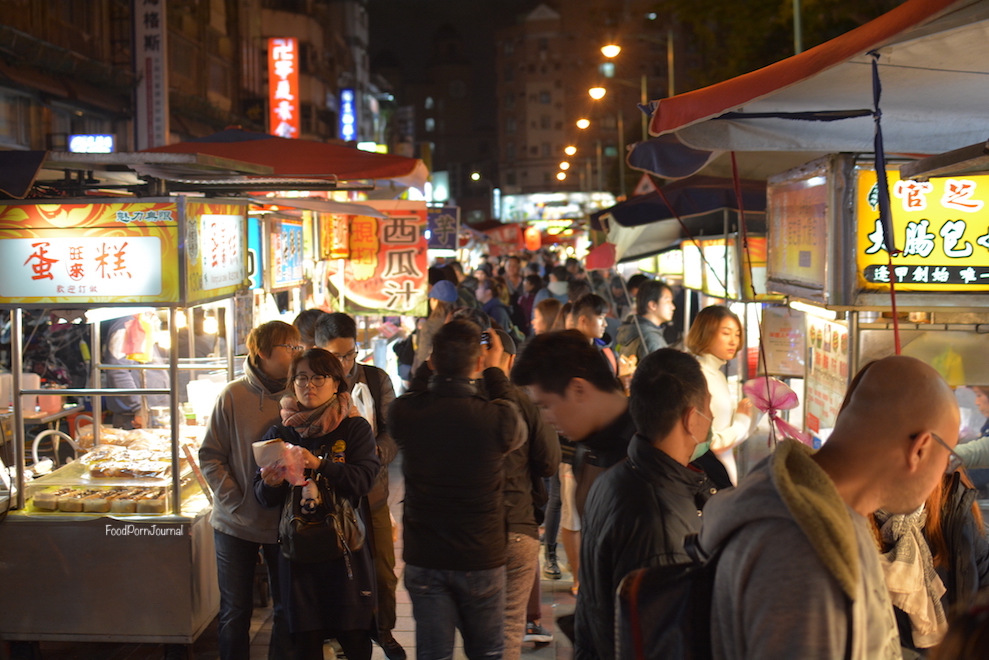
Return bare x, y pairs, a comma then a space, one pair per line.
564, 165
210, 325
570, 151
597, 93
180, 319
583, 123
611, 50
561, 175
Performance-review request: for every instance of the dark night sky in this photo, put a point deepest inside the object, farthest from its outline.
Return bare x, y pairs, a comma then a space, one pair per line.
406, 27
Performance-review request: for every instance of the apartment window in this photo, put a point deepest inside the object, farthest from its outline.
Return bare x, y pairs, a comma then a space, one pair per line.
510, 125
546, 178
607, 69
545, 98
547, 150
429, 103
510, 179
510, 151
15, 120
533, 150
430, 124
545, 122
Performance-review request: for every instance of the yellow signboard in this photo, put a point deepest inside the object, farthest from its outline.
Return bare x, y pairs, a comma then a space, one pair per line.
941, 227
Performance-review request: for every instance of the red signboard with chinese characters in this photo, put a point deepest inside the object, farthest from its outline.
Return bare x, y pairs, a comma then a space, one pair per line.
386, 271
506, 239
941, 226
283, 87
119, 253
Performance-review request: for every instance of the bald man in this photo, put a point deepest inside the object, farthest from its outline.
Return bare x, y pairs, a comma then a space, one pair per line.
799, 576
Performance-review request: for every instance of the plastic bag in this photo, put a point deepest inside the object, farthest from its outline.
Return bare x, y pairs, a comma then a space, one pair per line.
364, 402
282, 459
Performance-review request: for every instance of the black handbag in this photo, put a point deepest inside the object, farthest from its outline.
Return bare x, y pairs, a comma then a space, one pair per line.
322, 529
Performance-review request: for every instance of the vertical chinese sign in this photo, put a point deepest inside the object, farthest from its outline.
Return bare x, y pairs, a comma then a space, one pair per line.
386, 271
283, 87
216, 250
151, 73
444, 226
942, 226
827, 375
89, 253
285, 253
347, 130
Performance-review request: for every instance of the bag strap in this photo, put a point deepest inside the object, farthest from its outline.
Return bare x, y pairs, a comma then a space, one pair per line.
638, 645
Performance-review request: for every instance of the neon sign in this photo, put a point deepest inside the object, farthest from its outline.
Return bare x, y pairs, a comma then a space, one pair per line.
283, 87
348, 115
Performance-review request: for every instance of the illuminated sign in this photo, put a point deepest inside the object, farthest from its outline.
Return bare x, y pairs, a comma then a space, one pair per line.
91, 144
942, 226
81, 266
348, 115
283, 87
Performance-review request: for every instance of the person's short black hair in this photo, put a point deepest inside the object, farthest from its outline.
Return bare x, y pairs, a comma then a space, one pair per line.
636, 281
306, 322
335, 326
535, 281
456, 346
560, 273
435, 274
553, 359
474, 315
450, 273
666, 383
577, 290
649, 291
590, 304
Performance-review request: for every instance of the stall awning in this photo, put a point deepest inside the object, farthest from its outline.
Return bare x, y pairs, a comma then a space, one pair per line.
305, 159
934, 58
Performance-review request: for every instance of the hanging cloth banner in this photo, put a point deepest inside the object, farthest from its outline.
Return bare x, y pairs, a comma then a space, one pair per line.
444, 226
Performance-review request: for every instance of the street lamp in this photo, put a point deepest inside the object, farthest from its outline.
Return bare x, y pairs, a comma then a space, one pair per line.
475, 176
597, 93
564, 165
570, 151
583, 123
560, 176
611, 50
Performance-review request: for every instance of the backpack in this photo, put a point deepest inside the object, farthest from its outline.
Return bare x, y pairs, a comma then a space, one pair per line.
665, 611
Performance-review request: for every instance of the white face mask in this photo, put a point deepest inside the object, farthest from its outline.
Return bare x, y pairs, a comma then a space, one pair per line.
710, 430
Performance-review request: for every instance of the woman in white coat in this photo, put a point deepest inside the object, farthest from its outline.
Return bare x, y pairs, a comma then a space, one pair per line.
714, 338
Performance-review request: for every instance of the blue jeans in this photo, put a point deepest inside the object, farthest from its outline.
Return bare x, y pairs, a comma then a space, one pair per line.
236, 561
473, 601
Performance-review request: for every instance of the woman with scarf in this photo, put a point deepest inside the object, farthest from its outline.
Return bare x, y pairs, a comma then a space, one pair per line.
935, 561
332, 599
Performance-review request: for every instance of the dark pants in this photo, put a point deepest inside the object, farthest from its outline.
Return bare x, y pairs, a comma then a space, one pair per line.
473, 601
236, 561
356, 644
384, 567
552, 521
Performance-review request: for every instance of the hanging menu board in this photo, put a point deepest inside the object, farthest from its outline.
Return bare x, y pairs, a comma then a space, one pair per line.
827, 374
797, 208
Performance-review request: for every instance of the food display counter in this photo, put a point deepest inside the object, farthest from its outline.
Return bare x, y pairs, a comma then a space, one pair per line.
116, 545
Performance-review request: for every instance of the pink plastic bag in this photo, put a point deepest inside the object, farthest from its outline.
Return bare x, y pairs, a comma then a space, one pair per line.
288, 464
771, 395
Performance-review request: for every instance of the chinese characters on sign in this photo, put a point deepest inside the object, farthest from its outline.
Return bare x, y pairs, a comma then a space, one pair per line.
386, 271
444, 225
827, 374
85, 266
944, 230
151, 72
286, 253
797, 238
283, 87
221, 250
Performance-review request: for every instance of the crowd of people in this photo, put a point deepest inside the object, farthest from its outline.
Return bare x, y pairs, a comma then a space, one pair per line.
546, 406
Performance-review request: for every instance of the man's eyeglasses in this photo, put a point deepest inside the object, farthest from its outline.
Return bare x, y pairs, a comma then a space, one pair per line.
954, 461
295, 348
317, 380
346, 356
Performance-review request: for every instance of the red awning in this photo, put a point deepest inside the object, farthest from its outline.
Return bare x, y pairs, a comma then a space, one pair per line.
305, 158
934, 55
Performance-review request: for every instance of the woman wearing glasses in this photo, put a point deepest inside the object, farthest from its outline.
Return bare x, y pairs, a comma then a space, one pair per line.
329, 599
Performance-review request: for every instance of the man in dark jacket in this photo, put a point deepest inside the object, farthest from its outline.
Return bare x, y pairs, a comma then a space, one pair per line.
639, 511
454, 442
643, 333
337, 333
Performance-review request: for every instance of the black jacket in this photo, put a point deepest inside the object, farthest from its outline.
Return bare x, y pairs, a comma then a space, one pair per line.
453, 443
323, 595
637, 515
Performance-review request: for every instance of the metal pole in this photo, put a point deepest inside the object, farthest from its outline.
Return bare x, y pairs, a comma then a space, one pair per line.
600, 168
96, 402
670, 73
621, 152
230, 327
173, 408
853, 344
644, 100
17, 367
798, 37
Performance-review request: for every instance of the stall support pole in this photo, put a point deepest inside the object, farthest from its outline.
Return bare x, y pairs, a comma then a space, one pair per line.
96, 402
17, 367
173, 408
686, 311
853, 344
229, 327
